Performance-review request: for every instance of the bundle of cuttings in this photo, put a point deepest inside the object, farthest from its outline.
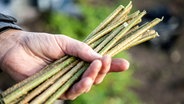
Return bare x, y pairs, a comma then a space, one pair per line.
118, 32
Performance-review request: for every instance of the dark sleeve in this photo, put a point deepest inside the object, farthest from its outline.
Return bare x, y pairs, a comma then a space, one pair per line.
7, 22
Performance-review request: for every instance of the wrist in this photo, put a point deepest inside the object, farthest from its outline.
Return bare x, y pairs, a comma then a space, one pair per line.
8, 40
7, 33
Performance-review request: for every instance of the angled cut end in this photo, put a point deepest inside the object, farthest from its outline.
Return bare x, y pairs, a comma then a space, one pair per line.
144, 12
162, 18
129, 5
156, 34
121, 6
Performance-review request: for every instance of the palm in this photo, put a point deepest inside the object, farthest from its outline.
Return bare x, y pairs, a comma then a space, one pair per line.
31, 54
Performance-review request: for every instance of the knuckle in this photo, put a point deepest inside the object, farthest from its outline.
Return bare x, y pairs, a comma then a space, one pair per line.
84, 46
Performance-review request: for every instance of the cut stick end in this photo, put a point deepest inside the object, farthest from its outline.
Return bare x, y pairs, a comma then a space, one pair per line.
121, 6
156, 34
162, 18
141, 14
144, 12
129, 5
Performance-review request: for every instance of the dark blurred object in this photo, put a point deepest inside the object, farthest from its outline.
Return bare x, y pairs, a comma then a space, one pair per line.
25, 10
5, 81
64, 6
177, 85
177, 7
4, 4
167, 29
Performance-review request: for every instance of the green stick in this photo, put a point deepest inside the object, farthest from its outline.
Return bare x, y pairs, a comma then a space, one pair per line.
32, 84
131, 16
47, 83
135, 34
103, 32
100, 40
67, 85
44, 95
123, 14
110, 27
125, 47
122, 39
109, 38
106, 21
122, 33
145, 39
20, 84
146, 33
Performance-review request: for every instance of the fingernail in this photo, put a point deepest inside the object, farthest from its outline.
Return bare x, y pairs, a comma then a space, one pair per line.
89, 84
98, 82
127, 64
88, 90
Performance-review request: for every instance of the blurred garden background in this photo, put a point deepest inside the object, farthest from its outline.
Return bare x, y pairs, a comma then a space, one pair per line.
156, 73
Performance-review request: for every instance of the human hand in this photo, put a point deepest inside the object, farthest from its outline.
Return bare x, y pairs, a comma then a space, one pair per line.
24, 53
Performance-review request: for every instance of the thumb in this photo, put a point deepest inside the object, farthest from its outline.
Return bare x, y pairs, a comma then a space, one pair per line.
76, 48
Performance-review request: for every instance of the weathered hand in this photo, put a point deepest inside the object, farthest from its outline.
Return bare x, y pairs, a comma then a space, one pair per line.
24, 53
